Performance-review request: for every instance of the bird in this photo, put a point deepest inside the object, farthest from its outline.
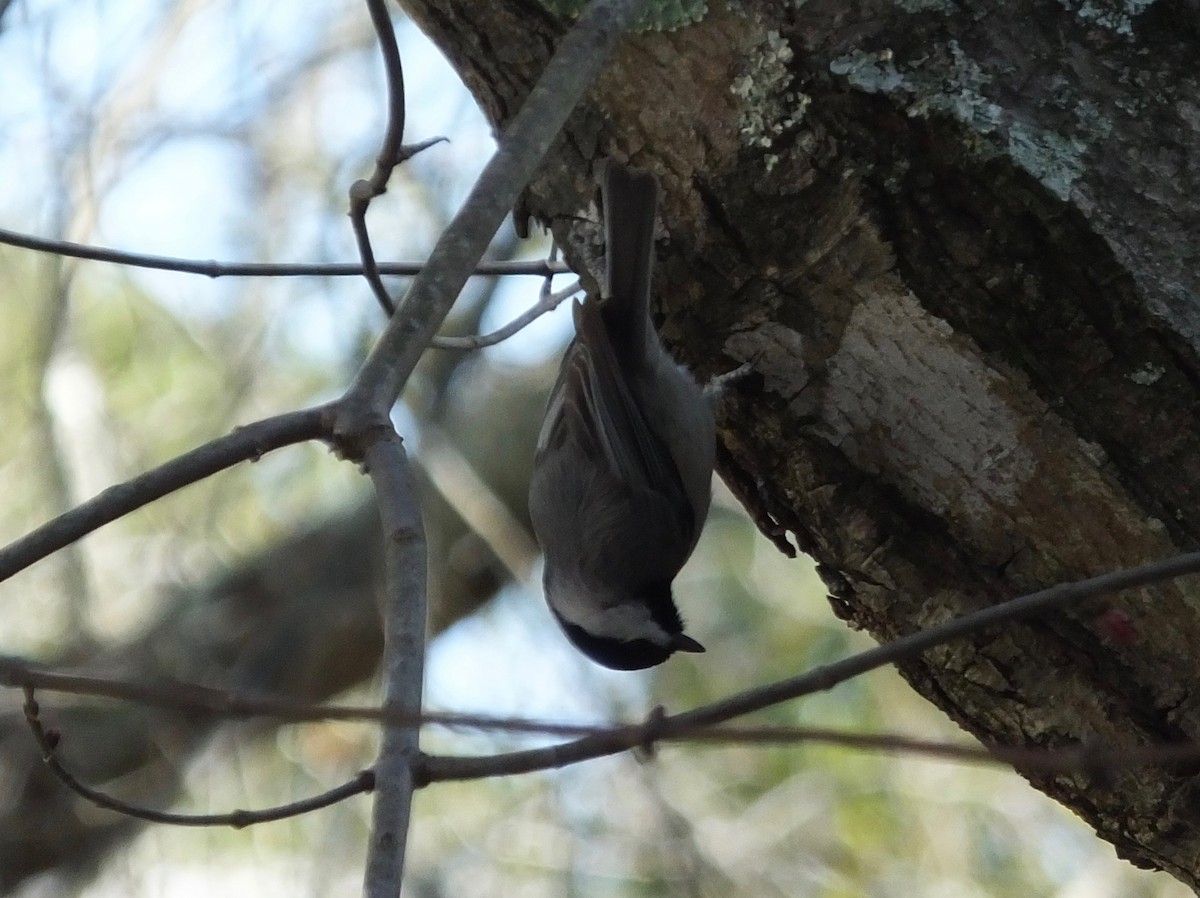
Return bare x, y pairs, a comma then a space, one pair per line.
622, 472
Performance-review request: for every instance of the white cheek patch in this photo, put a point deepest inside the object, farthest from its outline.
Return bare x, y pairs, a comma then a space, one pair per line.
627, 621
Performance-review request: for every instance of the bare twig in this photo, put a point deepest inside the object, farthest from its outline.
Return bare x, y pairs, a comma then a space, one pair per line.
645, 737
547, 302
391, 153
915, 644
213, 269
1099, 760
700, 725
49, 740
189, 698
361, 193
403, 659
246, 443
527, 138
1044, 760
818, 680
405, 599
194, 699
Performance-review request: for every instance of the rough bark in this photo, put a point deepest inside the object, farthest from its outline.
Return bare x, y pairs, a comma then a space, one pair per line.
957, 244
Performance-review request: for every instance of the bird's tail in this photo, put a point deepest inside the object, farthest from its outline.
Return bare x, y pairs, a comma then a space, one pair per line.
630, 198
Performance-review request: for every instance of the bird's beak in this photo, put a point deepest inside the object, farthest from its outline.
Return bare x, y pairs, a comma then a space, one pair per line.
682, 643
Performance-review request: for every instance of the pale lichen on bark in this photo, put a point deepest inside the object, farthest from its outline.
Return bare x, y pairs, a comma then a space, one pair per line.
769, 107
947, 81
1116, 16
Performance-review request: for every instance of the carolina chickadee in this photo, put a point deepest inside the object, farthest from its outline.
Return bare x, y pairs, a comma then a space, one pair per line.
622, 473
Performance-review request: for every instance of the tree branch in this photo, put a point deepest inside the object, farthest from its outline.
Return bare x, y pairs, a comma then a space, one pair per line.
547, 302
246, 443
49, 740
214, 269
363, 191
403, 659
701, 724
579, 59
819, 680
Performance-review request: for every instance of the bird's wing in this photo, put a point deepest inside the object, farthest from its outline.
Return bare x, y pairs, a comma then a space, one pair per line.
604, 417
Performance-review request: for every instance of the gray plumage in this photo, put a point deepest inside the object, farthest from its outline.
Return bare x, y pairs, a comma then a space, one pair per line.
622, 474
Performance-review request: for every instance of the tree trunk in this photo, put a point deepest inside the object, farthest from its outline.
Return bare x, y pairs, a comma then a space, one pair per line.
956, 243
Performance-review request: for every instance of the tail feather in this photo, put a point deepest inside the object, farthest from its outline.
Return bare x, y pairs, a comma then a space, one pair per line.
630, 197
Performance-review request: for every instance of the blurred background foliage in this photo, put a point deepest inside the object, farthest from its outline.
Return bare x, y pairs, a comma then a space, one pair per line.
232, 129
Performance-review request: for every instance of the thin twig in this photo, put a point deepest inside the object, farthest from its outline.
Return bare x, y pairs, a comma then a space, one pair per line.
526, 139
361, 193
365, 190
404, 615
547, 302
195, 699
211, 268
1092, 759
818, 680
49, 740
702, 724
1072, 759
188, 698
405, 599
247, 443
643, 738
391, 153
